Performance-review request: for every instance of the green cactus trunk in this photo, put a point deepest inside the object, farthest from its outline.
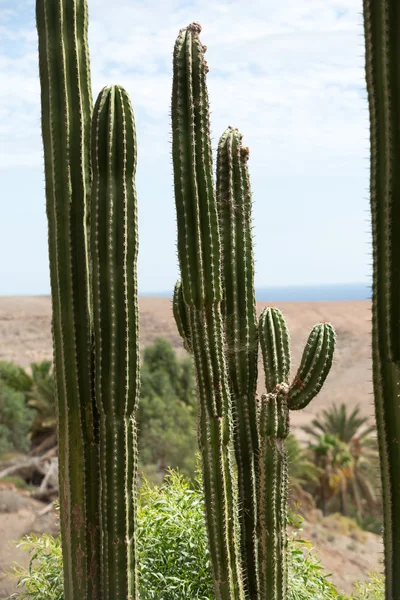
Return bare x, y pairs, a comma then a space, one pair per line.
241, 333
382, 45
66, 112
272, 479
200, 265
114, 248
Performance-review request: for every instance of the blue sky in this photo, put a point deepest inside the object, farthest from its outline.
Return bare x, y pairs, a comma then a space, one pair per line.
288, 74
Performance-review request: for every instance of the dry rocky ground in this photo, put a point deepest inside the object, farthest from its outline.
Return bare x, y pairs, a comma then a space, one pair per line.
25, 336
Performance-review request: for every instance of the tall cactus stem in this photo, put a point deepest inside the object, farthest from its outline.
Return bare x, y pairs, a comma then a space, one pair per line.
114, 249
272, 495
200, 266
382, 68
241, 333
66, 102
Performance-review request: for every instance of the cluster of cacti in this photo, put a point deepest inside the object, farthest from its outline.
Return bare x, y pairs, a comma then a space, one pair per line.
382, 45
215, 310
90, 164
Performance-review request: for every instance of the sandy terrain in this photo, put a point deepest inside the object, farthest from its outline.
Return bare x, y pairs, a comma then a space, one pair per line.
25, 337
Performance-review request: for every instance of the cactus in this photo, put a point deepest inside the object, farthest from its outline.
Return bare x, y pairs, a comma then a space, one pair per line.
281, 396
382, 44
114, 248
94, 306
200, 264
241, 332
66, 115
215, 311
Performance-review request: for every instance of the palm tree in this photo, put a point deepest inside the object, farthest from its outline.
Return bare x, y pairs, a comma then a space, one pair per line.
334, 460
353, 431
301, 471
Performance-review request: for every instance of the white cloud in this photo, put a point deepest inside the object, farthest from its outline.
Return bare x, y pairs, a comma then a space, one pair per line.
289, 75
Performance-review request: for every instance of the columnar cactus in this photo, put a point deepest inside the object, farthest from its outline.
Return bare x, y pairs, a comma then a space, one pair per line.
215, 310
94, 303
66, 116
382, 45
241, 331
200, 263
114, 248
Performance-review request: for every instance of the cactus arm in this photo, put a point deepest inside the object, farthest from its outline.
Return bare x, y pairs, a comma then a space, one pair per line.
241, 334
66, 102
181, 316
114, 245
200, 266
314, 367
382, 67
272, 496
193, 179
275, 347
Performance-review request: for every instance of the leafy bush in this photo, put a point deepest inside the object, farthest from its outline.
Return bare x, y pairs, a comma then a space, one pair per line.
15, 420
167, 412
173, 554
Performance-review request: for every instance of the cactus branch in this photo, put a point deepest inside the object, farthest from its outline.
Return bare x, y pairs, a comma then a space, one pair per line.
314, 367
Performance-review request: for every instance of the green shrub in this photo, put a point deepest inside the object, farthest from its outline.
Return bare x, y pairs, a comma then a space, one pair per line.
15, 420
167, 412
370, 590
173, 554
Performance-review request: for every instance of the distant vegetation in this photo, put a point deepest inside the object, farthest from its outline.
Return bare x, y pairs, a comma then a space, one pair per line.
337, 471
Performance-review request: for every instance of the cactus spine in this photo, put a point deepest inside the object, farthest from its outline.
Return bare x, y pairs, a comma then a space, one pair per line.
215, 311
95, 345
382, 46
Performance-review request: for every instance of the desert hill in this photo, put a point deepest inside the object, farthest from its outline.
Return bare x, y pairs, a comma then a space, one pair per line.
25, 335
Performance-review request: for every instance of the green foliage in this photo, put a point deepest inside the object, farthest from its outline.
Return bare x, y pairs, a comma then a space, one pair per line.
373, 589
36, 392
350, 428
167, 411
43, 579
359, 475
15, 420
174, 560
173, 548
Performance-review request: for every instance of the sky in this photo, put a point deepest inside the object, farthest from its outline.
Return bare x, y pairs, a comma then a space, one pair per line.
289, 75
